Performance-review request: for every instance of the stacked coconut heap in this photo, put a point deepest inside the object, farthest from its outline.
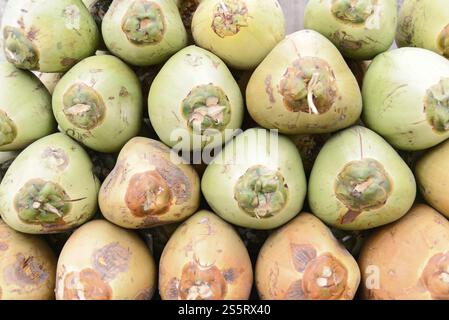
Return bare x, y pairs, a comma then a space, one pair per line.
123, 153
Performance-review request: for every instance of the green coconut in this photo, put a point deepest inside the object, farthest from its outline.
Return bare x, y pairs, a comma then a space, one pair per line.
49, 188
424, 24
406, 98
304, 86
194, 100
48, 36
259, 178
359, 182
25, 108
361, 29
143, 32
99, 103
241, 32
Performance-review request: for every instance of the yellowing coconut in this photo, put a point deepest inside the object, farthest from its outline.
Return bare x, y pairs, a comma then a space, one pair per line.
49, 187
406, 98
28, 266
193, 100
101, 261
304, 261
143, 32
424, 24
432, 177
409, 259
205, 259
361, 29
149, 186
304, 86
359, 181
241, 32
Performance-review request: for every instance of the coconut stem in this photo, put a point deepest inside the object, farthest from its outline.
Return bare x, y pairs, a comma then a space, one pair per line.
310, 89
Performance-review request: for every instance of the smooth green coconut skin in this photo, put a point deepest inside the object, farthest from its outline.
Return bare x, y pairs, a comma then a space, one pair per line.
424, 24
360, 29
220, 180
56, 159
255, 28
118, 93
394, 92
172, 38
266, 103
25, 108
359, 144
54, 35
185, 71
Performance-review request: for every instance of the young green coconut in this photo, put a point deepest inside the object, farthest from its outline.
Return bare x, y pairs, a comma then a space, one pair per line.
359, 181
304, 86
28, 266
47, 35
432, 176
149, 186
225, 27
25, 109
203, 101
143, 32
406, 98
205, 259
408, 259
304, 261
361, 29
260, 179
99, 103
101, 261
424, 24
49, 188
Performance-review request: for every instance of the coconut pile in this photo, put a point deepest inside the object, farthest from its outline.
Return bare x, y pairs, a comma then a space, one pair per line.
193, 150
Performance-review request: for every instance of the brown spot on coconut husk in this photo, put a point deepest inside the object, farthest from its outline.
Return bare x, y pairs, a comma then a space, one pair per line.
111, 260
25, 272
148, 194
3, 246
145, 294
269, 88
172, 289
86, 285
435, 276
325, 278
302, 255
200, 282
295, 291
